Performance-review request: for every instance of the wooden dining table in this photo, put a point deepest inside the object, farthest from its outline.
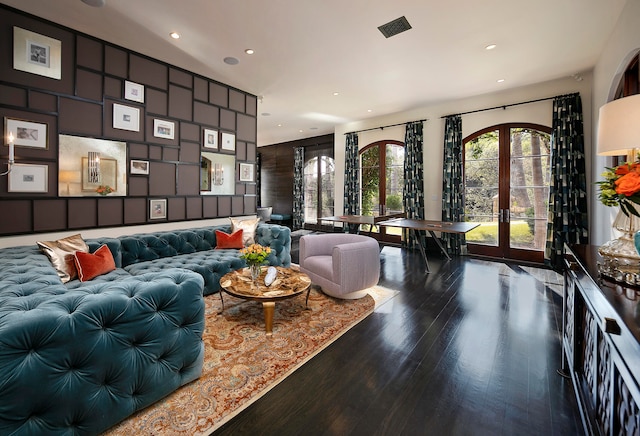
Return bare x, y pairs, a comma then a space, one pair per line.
430, 226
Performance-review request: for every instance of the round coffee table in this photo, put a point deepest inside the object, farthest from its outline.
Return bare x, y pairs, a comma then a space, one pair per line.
288, 284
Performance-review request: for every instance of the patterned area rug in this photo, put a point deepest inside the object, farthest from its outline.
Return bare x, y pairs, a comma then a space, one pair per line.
241, 363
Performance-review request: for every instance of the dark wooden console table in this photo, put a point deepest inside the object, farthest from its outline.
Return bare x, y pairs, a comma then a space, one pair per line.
601, 344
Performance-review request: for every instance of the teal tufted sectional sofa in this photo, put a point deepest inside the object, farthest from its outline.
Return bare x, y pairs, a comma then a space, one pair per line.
77, 358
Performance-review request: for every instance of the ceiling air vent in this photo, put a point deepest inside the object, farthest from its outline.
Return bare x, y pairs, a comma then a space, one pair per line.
394, 27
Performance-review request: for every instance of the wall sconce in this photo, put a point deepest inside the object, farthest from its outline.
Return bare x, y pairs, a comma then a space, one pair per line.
93, 167
218, 174
11, 155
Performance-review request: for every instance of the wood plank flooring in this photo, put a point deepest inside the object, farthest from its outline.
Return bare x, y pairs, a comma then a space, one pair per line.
470, 349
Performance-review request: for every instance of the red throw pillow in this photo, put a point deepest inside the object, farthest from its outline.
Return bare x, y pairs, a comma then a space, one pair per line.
92, 265
224, 240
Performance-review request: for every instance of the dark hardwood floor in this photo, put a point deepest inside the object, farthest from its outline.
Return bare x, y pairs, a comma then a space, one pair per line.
470, 349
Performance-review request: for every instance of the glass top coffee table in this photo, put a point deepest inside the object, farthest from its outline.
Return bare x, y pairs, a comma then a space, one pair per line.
288, 284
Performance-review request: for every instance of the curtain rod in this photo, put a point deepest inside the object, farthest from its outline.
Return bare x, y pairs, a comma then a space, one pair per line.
384, 127
504, 106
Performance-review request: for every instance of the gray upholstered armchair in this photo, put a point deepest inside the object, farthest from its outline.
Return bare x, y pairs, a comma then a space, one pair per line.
342, 264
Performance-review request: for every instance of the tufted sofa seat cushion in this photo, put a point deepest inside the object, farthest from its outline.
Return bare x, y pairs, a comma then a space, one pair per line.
78, 361
211, 265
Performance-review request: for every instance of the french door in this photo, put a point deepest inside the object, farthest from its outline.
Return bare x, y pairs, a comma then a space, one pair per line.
507, 178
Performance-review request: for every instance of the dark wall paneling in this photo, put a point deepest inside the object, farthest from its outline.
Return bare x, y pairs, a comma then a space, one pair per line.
162, 178
237, 205
138, 151
180, 103
110, 212
237, 101
246, 128
115, 61
135, 210
12, 96
19, 219
156, 101
200, 89
219, 95
80, 117
190, 132
224, 206
138, 186
113, 87
89, 53
188, 180
43, 102
227, 120
206, 114
170, 154
194, 207
180, 77
148, 72
49, 215
209, 206
176, 209
83, 213
81, 103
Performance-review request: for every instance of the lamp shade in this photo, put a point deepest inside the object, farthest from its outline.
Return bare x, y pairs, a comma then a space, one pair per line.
619, 126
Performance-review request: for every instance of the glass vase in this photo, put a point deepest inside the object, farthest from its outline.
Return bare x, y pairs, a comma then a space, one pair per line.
255, 271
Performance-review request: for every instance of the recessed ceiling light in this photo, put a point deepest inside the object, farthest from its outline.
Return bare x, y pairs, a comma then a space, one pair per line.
369, 110
279, 125
174, 35
249, 51
490, 47
300, 130
500, 80
231, 60
336, 93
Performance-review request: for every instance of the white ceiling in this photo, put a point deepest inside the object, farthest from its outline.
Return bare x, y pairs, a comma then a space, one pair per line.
306, 50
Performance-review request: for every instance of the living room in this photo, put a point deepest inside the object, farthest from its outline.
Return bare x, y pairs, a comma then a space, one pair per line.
164, 188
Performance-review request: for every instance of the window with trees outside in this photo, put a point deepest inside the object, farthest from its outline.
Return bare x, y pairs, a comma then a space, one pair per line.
382, 181
507, 176
319, 187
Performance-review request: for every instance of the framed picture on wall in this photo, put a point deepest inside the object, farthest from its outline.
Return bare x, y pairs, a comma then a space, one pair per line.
126, 117
210, 139
27, 133
139, 167
108, 174
163, 129
28, 178
157, 209
133, 91
228, 141
246, 172
36, 54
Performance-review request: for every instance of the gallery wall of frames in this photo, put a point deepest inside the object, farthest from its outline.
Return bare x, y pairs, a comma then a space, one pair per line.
104, 136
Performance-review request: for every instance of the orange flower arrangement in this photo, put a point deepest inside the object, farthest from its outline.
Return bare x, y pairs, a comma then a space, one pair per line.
621, 187
104, 189
255, 254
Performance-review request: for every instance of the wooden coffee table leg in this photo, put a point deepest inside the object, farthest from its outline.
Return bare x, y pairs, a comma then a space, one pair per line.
268, 308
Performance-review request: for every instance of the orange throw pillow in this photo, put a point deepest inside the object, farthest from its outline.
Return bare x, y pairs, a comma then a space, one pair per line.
90, 266
224, 240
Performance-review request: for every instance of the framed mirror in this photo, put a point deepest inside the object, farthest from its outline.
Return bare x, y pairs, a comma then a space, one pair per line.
91, 167
217, 174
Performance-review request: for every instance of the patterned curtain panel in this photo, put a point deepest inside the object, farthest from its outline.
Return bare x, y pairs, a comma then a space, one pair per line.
298, 188
413, 190
568, 192
453, 183
351, 176
258, 179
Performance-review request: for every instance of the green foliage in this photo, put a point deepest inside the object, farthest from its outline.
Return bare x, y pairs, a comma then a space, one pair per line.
488, 233
394, 202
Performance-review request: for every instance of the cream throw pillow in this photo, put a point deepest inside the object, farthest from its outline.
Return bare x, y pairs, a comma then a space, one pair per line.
248, 229
61, 254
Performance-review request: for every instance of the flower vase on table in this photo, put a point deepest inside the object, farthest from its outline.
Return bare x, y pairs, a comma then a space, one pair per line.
255, 255
621, 258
